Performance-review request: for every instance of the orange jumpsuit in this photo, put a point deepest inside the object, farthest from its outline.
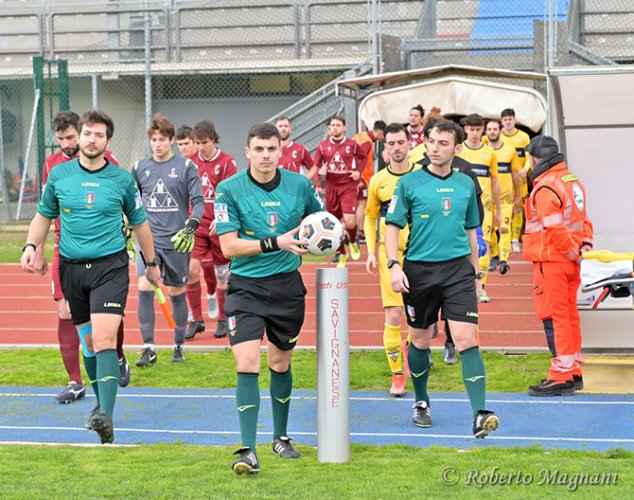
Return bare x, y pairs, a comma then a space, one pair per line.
557, 227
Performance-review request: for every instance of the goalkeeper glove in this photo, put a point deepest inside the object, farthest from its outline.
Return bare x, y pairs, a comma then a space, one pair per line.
482, 245
184, 239
129, 244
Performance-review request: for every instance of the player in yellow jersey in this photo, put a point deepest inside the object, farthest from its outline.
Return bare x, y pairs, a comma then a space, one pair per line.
519, 140
509, 166
485, 165
380, 191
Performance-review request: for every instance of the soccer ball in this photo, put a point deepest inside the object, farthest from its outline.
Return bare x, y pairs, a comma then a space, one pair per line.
322, 233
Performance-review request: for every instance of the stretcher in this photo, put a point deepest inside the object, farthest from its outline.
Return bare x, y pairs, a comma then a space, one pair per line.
610, 272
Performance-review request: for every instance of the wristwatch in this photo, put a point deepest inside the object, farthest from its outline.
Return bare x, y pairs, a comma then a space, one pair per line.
152, 263
479, 275
392, 262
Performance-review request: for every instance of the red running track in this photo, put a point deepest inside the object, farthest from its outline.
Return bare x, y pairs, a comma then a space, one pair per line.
28, 313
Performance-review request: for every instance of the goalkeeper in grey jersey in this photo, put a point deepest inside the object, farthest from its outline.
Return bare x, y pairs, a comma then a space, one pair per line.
168, 185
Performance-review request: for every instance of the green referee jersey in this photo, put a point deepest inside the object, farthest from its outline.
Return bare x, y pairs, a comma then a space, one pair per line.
256, 213
438, 210
90, 205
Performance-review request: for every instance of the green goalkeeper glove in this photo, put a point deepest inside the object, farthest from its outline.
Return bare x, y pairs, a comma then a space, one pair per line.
129, 244
184, 239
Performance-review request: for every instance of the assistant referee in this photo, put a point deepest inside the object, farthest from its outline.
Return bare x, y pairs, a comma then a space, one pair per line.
90, 195
441, 209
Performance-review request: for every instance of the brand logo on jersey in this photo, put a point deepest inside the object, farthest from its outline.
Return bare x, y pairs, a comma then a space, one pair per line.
220, 211
138, 201
392, 205
147, 173
577, 195
232, 325
271, 218
445, 202
173, 174
90, 197
411, 312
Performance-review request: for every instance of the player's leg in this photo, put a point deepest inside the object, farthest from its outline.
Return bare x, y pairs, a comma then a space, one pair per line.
494, 251
284, 320
210, 280
505, 236
333, 206
517, 223
485, 260
392, 342
450, 357
145, 315
68, 340
460, 308
362, 201
174, 271
202, 248
221, 269
108, 281
244, 311
124, 366
348, 203
422, 306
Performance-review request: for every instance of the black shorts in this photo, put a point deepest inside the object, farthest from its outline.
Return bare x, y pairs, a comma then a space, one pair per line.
174, 266
275, 304
96, 286
433, 285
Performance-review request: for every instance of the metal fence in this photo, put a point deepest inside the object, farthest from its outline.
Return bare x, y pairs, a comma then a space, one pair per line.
242, 61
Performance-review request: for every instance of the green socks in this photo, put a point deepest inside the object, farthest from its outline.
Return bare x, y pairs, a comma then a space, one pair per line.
281, 388
248, 404
107, 379
91, 369
474, 377
419, 367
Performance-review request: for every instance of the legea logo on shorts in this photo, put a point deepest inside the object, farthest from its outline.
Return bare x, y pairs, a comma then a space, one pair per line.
112, 304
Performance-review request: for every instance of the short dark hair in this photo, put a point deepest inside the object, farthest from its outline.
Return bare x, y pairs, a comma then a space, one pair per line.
65, 119
206, 130
263, 131
161, 124
444, 125
494, 120
508, 112
431, 121
419, 108
282, 118
474, 120
337, 117
184, 132
96, 116
396, 128
379, 125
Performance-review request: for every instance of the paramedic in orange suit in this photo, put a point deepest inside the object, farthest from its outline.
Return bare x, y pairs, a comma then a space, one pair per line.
557, 233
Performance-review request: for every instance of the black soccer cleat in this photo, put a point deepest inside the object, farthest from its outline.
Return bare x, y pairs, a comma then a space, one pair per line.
422, 414
282, 446
72, 392
195, 327
102, 425
504, 267
148, 357
124, 372
247, 462
549, 388
494, 263
578, 380
178, 356
221, 329
485, 421
94, 411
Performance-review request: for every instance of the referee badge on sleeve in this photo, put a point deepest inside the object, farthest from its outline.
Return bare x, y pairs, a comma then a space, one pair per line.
392, 205
221, 213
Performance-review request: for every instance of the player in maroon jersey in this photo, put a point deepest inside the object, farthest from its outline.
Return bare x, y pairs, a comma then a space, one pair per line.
415, 126
214, 165
341, 160
66, 126
187, 148
295, 157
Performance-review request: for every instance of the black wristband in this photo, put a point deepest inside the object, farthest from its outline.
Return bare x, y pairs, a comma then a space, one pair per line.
29, 245
269, 245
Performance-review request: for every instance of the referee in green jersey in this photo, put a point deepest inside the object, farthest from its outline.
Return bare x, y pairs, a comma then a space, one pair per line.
440, 207
90, 195
257, 215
